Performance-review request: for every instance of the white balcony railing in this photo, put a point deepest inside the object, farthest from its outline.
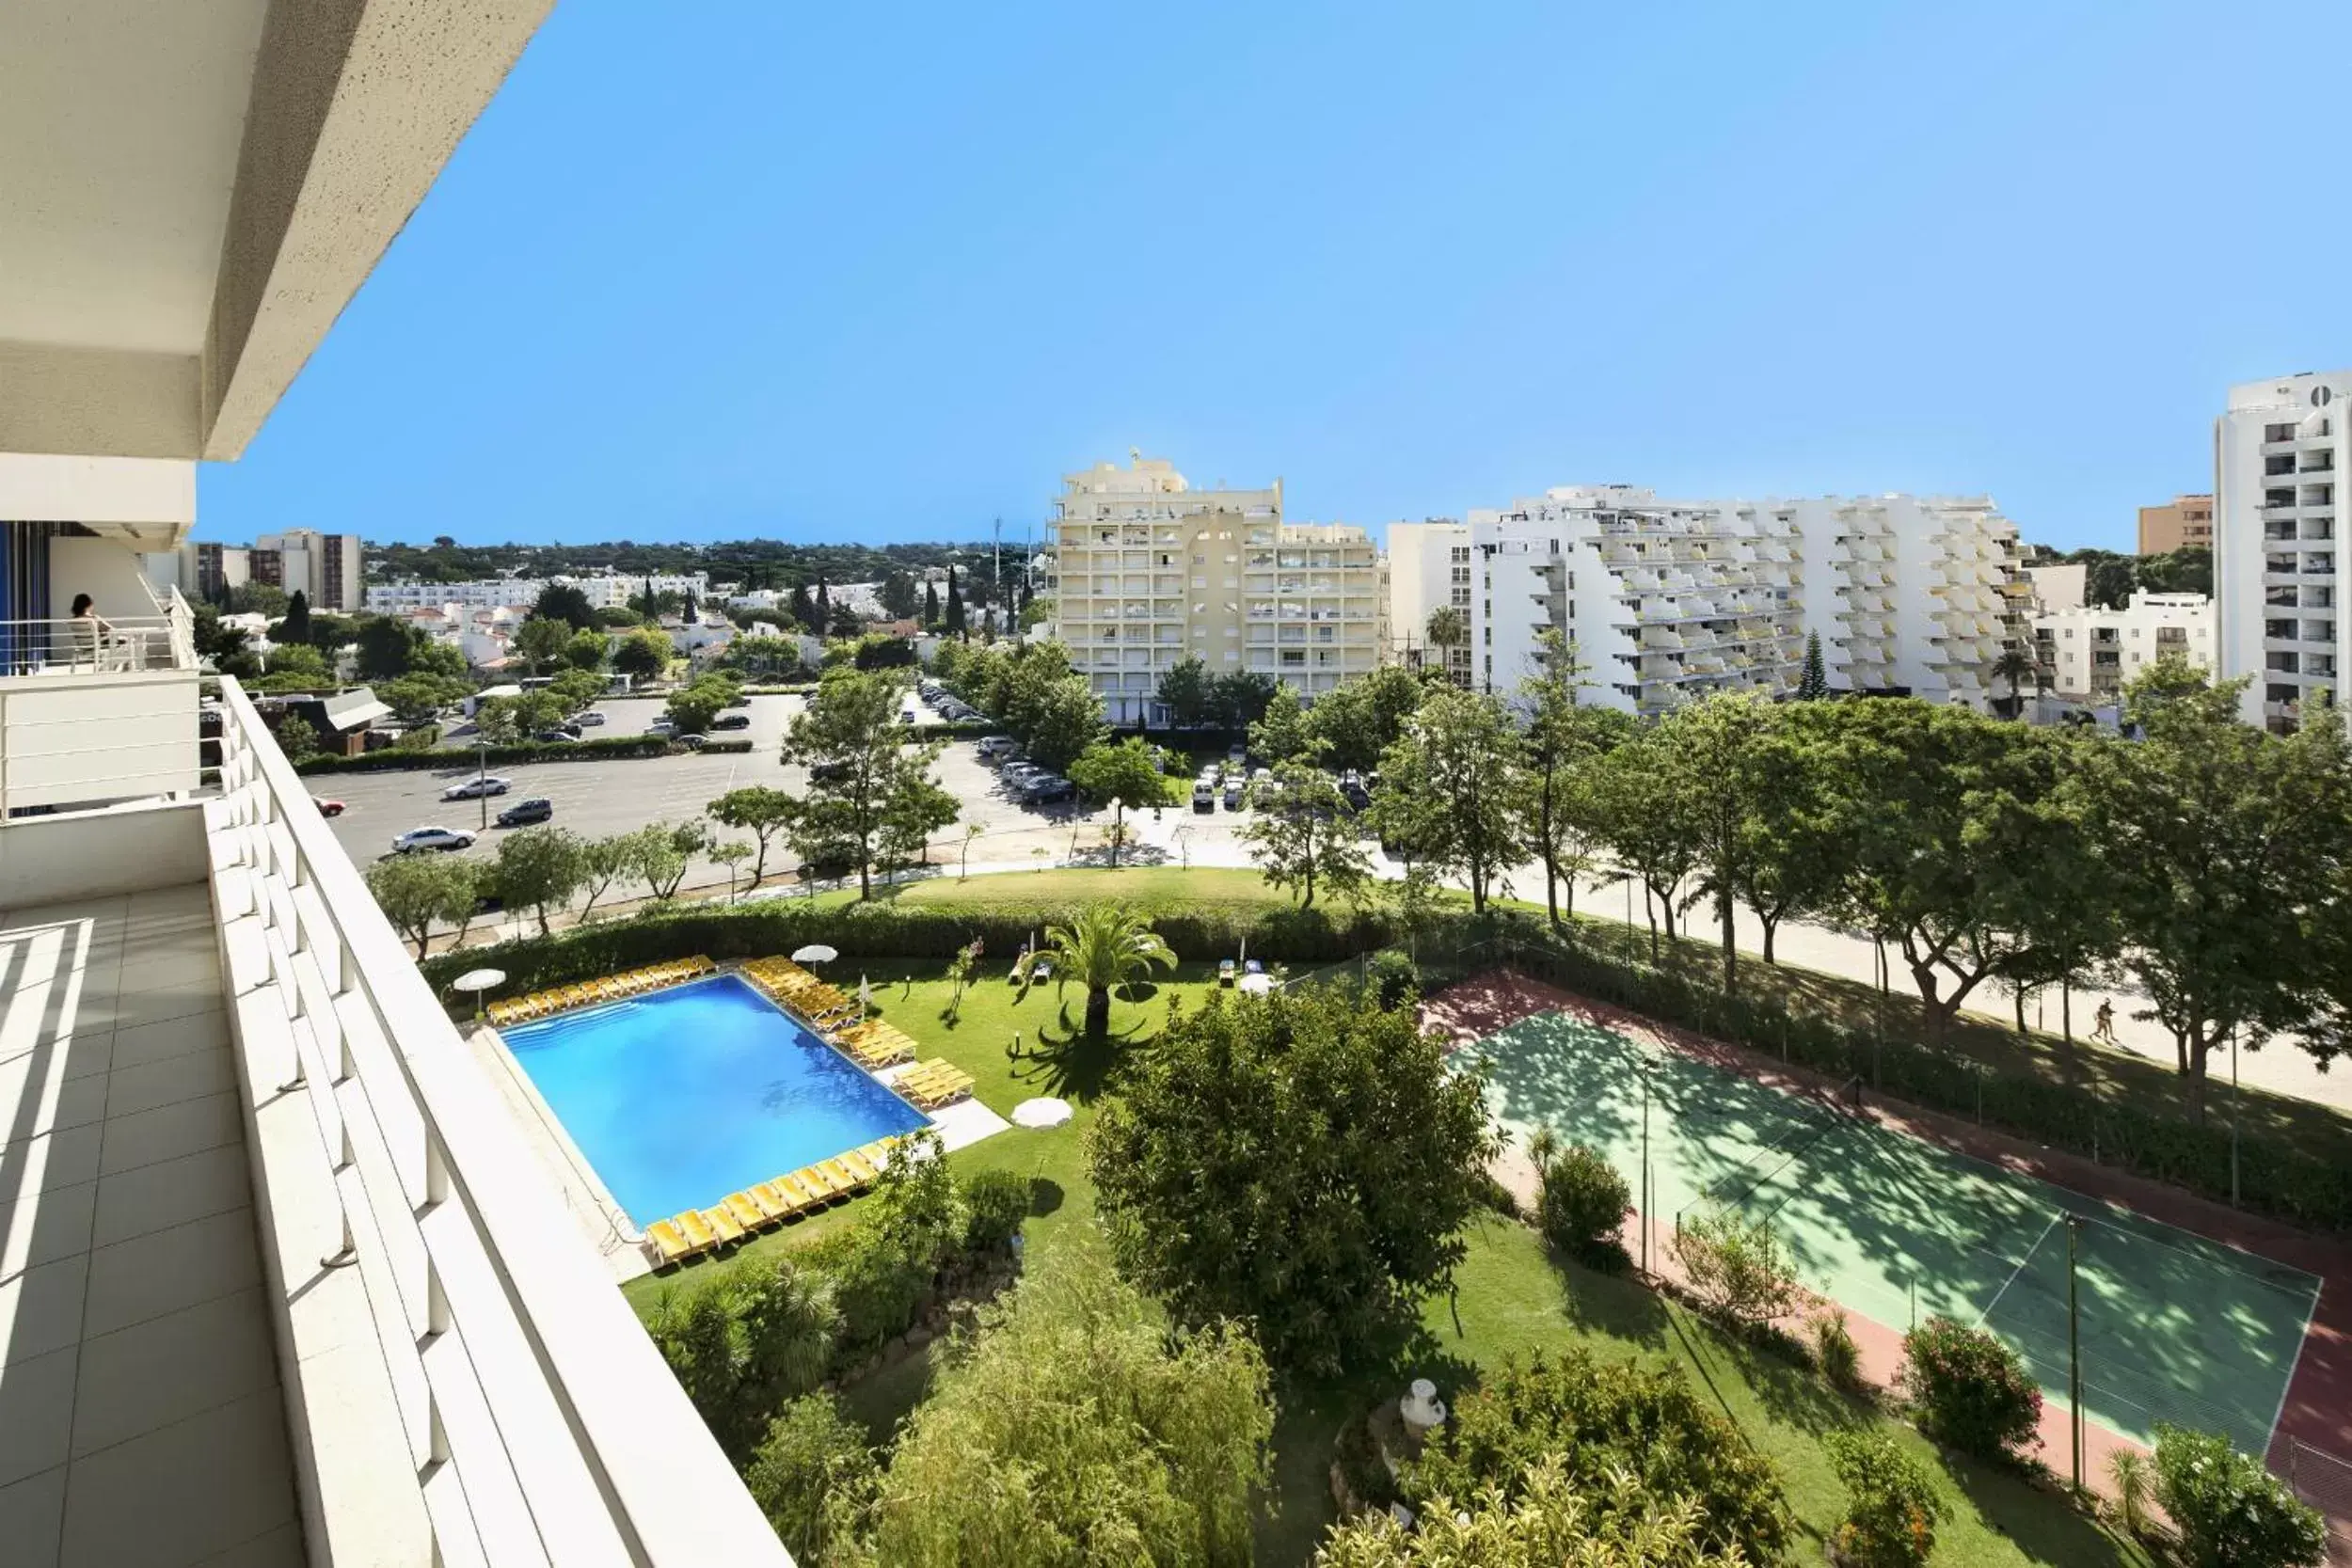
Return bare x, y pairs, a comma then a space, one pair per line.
89, 646
464, 1381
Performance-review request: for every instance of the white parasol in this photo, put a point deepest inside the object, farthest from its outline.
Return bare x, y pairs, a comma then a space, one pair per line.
476, 981
1257, 985
1041, 1112
815, 953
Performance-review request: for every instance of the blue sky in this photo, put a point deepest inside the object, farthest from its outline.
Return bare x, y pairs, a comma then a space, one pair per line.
885, 273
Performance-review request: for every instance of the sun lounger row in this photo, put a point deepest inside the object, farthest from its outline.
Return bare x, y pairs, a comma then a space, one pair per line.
770, 1203
932, 1083
874, 1044
588, 993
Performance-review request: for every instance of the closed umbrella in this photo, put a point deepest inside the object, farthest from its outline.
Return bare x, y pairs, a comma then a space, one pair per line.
864, 996
815, 953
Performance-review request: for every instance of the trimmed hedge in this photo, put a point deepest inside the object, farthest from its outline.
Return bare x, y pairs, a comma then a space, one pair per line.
602, 749
725, 747
966, 729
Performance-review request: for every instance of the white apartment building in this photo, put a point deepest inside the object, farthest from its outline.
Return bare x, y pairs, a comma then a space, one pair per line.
603, 591
2279, 588
2089, 653
284, 1279
323, 567
1152, 571
1668, 600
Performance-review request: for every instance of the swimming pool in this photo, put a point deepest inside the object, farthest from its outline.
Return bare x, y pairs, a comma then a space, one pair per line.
680, 1096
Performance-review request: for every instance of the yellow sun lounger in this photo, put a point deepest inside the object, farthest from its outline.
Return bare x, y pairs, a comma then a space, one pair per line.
850, 1181
805, 1194
858, 1165
723, 1226
743, 1210
774, 1202
670, 1242
819, 1178
696, 1230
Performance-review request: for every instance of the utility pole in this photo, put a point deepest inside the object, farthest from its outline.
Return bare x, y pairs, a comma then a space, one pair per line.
2074, 1350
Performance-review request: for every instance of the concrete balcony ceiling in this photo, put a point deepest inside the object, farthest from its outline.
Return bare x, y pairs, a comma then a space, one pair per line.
196, 191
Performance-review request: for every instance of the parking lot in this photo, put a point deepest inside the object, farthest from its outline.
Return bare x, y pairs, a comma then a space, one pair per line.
599, 799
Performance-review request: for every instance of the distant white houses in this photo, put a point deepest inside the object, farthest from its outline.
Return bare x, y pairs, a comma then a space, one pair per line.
2089, 653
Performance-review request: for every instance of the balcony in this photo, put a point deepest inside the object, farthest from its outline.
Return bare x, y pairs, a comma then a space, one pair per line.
330, 1308
91, 712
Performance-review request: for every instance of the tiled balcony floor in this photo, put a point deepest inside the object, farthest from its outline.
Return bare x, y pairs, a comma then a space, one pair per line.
141, 1420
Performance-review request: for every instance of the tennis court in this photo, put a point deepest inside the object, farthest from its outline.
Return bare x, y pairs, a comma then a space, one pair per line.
2173, 1328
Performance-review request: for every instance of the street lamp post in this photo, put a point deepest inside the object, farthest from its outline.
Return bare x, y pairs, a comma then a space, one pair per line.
1118, 828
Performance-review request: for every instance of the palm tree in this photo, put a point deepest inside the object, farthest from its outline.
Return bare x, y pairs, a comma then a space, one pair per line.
2017, 666
1103, 947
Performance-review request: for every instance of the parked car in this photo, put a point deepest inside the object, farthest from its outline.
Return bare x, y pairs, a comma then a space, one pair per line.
1233, 792
741, 702
1352, 790
732, 722
1203, 795
416, 839
328, 808
693, 742
661, 725
996, 746
474, 789
592, 719
828, 772
556, 737
1045, 788
536, 809
1237, 754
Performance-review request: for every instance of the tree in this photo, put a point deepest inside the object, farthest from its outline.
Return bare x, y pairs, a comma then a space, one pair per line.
586, 650
1128, 772
1564, 738
566, 603
1457, 769
953, 624
1635, 813
661, 852
420, 892
1298, 1162
1281, 734
897, 596
1184, 691
299, 662
1304, 832
2016, 667
539, 868
1893, 1506
619, 618
809, 1476
1796, 853
731, 853
257, 598
642, 655
542, 642
602, 862
1713, 748
1449, 629
2229, 843
693, 705
842, 621
762, 813
1241, 697
1813, 685
1065, 719
931, 604
387, 648
803, 610
1073, 1427
1364, 716
1549, 1524
574, 690
1102, 947
296, 627
869, 794
419, 699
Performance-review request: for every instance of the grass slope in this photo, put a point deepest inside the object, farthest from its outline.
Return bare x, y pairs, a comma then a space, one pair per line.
1513, 1299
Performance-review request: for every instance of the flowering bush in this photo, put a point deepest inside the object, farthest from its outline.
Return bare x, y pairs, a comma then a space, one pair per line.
1970, 1389
2230, 1511
1580, 1200
1890, 1521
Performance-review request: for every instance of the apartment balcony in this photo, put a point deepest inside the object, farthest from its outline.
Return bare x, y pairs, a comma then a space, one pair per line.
90, 713
284, 1282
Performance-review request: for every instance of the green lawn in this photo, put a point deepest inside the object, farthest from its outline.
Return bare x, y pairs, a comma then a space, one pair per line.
1151, 889
1512, 1298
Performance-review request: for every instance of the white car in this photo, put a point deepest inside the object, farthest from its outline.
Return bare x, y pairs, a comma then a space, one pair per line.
474, 789
431, 838
591, 718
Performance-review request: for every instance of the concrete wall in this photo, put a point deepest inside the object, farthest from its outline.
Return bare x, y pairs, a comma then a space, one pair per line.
92, 854
103, 569
81, 740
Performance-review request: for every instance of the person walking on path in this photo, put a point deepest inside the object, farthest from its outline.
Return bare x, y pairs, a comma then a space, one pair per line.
2103, 1024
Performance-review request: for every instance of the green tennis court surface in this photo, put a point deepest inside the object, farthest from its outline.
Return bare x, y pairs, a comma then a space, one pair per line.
2173, 1328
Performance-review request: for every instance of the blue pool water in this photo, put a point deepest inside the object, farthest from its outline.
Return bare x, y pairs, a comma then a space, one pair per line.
680, 1096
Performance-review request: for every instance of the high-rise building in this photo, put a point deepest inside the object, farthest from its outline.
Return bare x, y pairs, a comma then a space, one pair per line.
323, 567
2277, 586
1152, 571
2185, 522
1666, 600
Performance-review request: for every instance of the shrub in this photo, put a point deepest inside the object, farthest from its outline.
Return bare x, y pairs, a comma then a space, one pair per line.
1834, 1347
1393, 979
886, 1266
1740, 1268
1552, 1523
1580, 1200
1599, 1419
809, 1475
393, 759
995, 1203
2230, 1513
1893, 1506
2127, 1470
743, 1343
1969, 1389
